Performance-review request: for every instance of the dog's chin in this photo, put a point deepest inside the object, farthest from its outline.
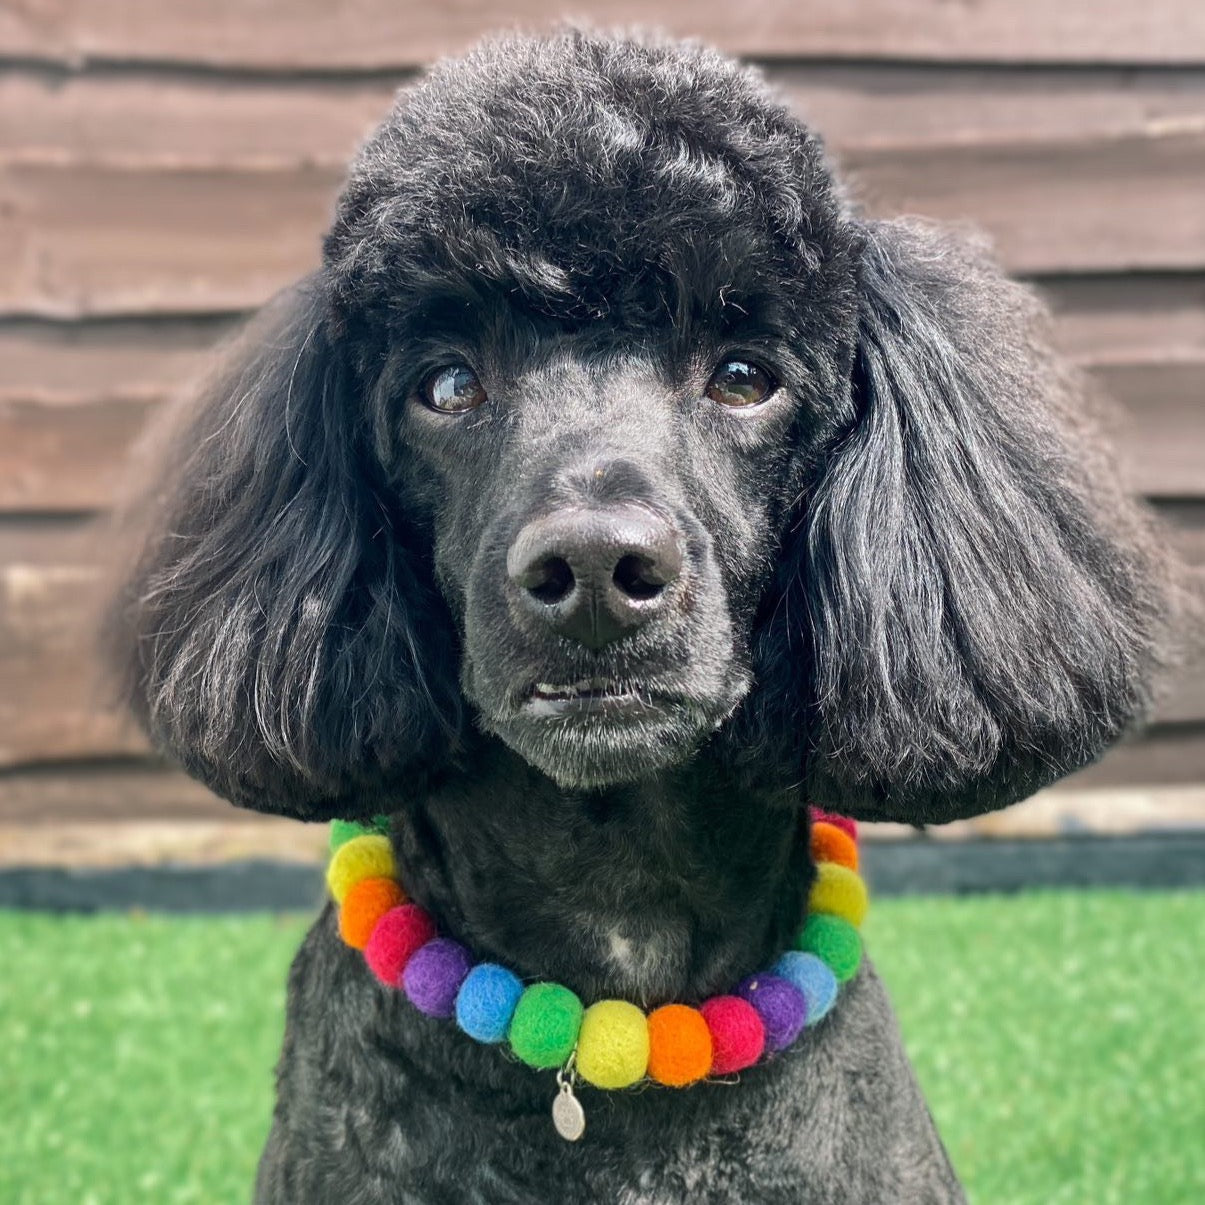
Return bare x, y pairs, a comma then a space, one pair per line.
585, 742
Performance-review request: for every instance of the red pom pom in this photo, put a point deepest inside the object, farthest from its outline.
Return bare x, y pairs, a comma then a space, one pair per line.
844, 823
397, 935
738, 1036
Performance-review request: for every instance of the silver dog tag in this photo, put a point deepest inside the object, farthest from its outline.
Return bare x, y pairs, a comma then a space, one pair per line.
567, 1113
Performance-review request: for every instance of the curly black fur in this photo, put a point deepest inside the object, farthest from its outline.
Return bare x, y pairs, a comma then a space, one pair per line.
913, 590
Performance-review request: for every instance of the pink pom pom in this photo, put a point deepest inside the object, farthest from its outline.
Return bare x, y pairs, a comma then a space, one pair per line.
844, 823
397, 935
738, 1035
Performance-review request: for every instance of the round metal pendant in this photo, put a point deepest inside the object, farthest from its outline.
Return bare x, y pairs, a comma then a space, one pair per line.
568, 1115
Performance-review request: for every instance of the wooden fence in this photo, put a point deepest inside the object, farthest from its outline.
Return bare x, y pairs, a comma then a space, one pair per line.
165, 167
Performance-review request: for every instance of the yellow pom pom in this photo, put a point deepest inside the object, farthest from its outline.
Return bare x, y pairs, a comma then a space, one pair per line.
358, 859
838, 891
613, 1045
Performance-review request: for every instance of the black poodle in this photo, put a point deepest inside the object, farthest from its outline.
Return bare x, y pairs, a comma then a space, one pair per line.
613, 491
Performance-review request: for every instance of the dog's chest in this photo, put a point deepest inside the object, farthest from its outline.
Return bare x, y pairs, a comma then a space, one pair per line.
377, 1103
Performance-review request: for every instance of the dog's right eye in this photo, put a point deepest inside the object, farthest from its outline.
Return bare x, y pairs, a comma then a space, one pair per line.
740, 383
452, 389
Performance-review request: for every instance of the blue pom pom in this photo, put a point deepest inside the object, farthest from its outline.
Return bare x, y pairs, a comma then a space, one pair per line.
812, 977
486, 1002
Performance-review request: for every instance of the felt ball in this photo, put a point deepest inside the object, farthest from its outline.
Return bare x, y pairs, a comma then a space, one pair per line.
486, 1001
359, 858
838, 891
779, 1003
363, 905
844, 823
738, 1036
835, 942
434, 974
342, 831
397, 935
679, 1045
613, 1044
544, 1029
831, 844
812, 977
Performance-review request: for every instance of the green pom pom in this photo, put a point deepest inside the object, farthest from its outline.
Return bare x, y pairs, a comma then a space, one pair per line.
544, 1029
342, 831
835, 942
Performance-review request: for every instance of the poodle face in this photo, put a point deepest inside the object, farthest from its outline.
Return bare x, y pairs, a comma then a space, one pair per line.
602, 378
610, 430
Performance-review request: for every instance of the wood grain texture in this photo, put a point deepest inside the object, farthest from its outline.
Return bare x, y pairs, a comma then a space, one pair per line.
71, 458
207, 120
53, 707
1123, 204
150, 200
86, 240
141, 790
121, 789
290, 34
122, 195
1171, 755
74, 395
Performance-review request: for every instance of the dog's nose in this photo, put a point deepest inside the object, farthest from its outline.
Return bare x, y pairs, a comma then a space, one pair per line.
594, 574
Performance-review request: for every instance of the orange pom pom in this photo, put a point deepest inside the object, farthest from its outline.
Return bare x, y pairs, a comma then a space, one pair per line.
363, 905
679, 1045
831, 844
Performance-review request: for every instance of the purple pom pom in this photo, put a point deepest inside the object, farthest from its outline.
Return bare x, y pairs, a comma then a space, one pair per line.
780, 1005
434, 974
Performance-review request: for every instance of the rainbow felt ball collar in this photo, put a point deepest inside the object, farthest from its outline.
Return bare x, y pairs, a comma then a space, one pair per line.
611, 1043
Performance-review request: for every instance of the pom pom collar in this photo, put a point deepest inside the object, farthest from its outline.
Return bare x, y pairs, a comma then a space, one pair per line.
610, 1044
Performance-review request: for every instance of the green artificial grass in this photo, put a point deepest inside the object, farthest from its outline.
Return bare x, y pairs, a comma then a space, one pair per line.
1059, 1037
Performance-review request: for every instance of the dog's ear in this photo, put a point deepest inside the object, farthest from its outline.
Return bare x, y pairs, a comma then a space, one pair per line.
984, 613
278, 632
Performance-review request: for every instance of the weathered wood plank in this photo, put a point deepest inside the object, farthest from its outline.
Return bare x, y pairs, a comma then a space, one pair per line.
72, 457
94, 240
1099, 321
66, 830
54, 708
146, 790
288, 34
1171, 755
1128, 319
53, 705
116, 790
90, 818
73, 395
68, 363
81, 239
1185, 518
66, 458
200, 121
1124, 204
203, 120
1162, 444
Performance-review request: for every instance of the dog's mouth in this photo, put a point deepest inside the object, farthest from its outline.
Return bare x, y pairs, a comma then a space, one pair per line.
586, 697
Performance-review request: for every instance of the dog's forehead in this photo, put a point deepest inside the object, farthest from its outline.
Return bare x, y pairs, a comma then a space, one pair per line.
604, 155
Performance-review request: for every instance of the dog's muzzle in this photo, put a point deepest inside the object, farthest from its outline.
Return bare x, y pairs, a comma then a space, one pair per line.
594, 574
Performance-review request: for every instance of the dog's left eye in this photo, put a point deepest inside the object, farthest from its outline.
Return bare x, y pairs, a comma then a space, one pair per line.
740, 383
453, 389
